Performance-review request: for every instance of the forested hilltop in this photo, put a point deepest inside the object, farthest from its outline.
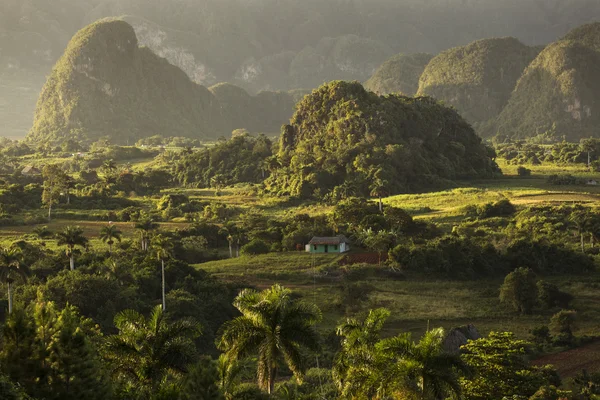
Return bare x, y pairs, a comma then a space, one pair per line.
343, 138
266, 44
559, 92
477, 79
507, 89
106, 85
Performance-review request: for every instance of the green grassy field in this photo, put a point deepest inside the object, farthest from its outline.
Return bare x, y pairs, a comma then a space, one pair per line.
415, 302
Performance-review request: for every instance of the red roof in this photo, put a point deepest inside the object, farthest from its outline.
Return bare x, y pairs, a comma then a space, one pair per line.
329, 240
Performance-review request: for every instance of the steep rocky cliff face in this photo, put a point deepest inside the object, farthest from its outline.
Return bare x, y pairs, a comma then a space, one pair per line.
477, 79
179, 48
33, 34
106, 85
559, 92
400, 74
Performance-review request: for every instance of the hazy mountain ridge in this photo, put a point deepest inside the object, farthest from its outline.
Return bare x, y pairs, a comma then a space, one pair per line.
274, 45
477, 79
400, 74
106, 85
560, 91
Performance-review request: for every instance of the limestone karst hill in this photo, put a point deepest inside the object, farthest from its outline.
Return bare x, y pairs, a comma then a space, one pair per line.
106, 85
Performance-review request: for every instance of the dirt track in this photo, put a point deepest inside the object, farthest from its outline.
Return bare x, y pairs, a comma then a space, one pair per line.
571, 362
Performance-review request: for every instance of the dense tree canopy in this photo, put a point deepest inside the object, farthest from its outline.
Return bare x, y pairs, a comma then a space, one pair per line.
241, 159
342, 134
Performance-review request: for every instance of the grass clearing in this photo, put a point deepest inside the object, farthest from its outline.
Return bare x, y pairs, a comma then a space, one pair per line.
415, 303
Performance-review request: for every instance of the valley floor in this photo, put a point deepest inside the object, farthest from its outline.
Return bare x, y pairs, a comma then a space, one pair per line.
415, 302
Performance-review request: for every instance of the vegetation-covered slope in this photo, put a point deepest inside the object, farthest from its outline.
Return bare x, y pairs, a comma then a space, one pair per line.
477, 79
560, 91
400, 74
106, 85
344, 139
266, 44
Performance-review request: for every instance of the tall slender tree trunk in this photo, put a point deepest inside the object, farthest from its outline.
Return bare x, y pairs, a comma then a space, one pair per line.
72, 261
424, 385
582, 243
49, 211
164, 301
380, 204
230, 250
10, 298
272, 377
589, 160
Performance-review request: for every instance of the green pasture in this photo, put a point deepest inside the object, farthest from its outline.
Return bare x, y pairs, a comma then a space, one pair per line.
415, 302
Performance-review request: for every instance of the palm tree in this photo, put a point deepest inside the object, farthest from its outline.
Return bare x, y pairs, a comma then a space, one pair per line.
230, 374
357, 371
10, 269
146, 351
580, 218
373, 368
163, 246
71, 237
593, 227
230, 241
233, 236
146, 226
109, 166
109, 234
433, 372
378, 187
275, 327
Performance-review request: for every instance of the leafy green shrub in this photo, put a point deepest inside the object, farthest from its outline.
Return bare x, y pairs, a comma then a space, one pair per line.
249, 391
255, 247
522, 171
171, 200
519, 290
549, 295
449, 256
546, 257
541, 335
238, 160
501, 208
564, 179
353, 294
564, 323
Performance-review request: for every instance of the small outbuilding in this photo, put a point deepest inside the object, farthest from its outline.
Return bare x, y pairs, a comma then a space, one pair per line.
30, 170
333, 244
